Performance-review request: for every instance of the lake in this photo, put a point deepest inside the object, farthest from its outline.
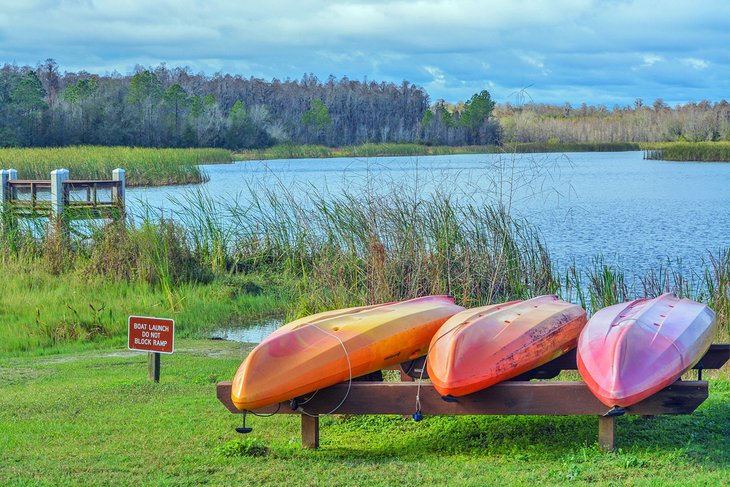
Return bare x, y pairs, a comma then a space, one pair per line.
631, 211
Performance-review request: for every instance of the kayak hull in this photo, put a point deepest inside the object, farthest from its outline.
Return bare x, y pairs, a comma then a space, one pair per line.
629, 351
321, 350
482, 346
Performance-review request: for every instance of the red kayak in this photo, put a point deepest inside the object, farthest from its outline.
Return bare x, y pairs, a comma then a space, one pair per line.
629, 351
480, 347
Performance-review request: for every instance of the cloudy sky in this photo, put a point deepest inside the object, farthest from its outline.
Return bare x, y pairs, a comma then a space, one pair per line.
553, 51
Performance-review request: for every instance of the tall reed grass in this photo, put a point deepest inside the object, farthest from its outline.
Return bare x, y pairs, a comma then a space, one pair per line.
689, 151
376, 241
364, 246
144, 166
353, 249
358, 247
602, 285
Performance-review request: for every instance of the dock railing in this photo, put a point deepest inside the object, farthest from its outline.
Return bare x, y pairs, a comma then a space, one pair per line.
60, 198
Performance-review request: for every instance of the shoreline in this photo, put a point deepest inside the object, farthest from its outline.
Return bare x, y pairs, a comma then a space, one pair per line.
671, 151
292, 151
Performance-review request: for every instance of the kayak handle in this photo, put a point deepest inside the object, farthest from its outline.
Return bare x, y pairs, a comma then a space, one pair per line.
615, 411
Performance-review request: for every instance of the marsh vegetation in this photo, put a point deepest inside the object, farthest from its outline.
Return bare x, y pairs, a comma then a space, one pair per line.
279, 249
687, 151
144, 167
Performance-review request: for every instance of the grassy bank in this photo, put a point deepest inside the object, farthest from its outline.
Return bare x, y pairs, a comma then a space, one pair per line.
45, 313
58, 291
327, 253
673, 151
290, 151
92, 418
689, 151
144, 166
279, 249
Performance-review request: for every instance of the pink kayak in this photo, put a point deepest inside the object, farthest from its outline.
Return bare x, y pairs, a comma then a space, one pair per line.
629, 351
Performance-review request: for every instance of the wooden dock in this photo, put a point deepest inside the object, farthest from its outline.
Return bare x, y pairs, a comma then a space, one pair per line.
61, 198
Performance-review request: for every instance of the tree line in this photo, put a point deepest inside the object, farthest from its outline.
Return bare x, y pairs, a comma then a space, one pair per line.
41, 106
155, 107
656, 122
174, 107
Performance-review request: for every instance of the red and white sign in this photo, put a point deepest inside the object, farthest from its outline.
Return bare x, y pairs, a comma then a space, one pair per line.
151, 334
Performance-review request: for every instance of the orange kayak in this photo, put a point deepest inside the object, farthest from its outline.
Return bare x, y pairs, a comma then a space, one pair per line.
629, 351
324, 349
480, 347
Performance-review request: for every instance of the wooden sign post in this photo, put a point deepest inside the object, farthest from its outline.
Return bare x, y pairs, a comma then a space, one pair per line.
154, 336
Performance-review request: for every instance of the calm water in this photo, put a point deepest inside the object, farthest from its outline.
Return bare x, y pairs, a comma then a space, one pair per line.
635, 212
251, 332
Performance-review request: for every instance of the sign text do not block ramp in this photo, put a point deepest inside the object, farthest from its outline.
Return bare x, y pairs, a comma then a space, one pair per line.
149, 334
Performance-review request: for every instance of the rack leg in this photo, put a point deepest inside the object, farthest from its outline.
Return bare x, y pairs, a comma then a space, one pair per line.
310, 431
607, 432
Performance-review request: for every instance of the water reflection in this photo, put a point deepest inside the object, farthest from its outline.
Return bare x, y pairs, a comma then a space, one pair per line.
250, 332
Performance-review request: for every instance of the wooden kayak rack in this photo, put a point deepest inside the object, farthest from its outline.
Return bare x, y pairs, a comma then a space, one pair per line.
519, 396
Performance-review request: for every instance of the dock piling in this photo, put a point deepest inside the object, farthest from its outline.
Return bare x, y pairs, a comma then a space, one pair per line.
57, 198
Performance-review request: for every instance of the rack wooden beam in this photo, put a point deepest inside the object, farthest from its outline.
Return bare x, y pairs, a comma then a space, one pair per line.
525, 397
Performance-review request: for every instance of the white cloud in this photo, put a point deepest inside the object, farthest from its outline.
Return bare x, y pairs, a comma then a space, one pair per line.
439, 77
562, 47
651, 59
536, 61
694, 63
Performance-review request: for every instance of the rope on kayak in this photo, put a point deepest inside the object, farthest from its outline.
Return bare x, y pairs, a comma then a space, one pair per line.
418, 416
264, 415
349, 381
244, 429
309, 398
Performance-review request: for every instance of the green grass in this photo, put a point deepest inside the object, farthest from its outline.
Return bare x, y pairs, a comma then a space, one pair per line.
92, 418
291, 151
688, 151
42, 312
143, 166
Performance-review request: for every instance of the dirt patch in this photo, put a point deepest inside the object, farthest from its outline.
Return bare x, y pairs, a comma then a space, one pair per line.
71, 358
